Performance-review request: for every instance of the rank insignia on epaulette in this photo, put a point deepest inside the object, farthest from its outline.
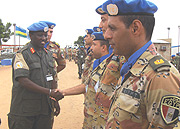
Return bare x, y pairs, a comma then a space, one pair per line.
32, 50
158, 62
170, 106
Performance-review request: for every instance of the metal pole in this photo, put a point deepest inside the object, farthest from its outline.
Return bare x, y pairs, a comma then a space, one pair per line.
168, 31
14, 36
178, 38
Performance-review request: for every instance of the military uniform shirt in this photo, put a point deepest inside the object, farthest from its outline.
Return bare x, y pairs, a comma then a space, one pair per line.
35, 66
148, 97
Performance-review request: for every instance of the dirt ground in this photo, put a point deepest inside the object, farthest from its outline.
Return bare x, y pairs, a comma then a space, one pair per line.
71, 116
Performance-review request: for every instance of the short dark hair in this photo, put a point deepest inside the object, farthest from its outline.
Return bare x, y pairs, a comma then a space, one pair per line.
147, 21
105, 42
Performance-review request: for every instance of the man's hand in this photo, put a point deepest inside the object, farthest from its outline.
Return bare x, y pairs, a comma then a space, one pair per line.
57, 108
56, 94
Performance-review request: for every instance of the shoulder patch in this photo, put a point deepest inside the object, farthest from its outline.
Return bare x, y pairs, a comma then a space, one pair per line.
158, 63
169, 107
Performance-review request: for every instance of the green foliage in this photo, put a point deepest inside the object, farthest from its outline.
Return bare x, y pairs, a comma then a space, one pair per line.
5, 32
79, 42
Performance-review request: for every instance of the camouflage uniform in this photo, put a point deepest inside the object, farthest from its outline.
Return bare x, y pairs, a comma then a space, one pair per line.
148, 97
89, 102
107, 86
69, 54
88, 62
56, 50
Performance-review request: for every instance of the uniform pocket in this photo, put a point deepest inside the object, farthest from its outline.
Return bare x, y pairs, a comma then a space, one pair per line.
127, 103
31, 105
35, 71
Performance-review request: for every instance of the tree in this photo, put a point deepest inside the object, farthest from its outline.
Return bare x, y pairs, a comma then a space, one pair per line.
5, 32
79, 42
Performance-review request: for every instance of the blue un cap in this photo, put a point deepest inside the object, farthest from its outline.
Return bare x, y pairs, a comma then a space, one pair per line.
97, 29
89, 31
97, 36
129, 7
39, 26
100, 11
50, 24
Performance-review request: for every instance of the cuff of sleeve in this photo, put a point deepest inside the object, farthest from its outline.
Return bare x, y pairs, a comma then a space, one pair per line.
21, 73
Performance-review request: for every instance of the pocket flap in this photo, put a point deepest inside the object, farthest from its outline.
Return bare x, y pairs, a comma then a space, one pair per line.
35, 65
127, 103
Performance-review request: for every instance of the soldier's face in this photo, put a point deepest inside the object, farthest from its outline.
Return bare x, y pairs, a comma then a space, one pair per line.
50, 32
104, 23
88, 39
119, 36
38, 39
96, 48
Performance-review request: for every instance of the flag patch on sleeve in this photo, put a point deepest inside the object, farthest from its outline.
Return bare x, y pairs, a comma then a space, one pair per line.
170, 108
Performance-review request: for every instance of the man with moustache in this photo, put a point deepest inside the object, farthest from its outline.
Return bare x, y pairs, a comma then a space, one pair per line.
108, 80
34, 83
100, 51
148, 94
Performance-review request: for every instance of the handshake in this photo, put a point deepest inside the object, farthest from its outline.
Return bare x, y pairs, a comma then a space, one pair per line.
56, 94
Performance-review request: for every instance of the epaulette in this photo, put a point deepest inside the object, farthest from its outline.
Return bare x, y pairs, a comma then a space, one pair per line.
22, 49
158, 63
115, 58
56, 44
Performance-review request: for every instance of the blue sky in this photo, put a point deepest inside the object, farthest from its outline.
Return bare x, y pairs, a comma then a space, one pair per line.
74, 16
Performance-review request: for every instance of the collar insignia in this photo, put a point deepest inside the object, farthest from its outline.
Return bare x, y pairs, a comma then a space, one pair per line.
169, 107
32, 50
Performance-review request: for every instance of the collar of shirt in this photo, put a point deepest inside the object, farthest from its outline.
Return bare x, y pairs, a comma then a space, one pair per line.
98, 61
45, 46
87, 50
133, 58
110, 50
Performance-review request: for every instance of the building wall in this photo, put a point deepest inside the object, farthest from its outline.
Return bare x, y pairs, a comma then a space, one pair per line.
166, 53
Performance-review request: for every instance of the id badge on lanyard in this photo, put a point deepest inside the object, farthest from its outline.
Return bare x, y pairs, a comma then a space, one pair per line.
49, 77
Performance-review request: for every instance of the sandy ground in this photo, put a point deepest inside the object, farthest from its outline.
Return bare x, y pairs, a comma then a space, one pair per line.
71, 116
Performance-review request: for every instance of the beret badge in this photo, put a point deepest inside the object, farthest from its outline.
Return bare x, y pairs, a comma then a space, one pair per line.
45, 29
52, 26
112, 9
93, 37
100, 10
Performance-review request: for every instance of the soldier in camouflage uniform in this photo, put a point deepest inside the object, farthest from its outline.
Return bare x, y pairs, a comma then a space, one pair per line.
108, 81
54, 47
81, 55
89, 59
100, 51
147, 96
69, 53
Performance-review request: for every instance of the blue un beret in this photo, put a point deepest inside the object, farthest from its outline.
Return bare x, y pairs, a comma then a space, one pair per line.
129, 7
50, 24
100, 11
97, 36
173, 56
97, 29
89, 31
39, 26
